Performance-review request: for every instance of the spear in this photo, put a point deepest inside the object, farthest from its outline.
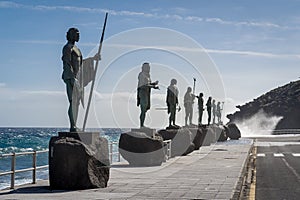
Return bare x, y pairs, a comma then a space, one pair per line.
93, 82
194, 85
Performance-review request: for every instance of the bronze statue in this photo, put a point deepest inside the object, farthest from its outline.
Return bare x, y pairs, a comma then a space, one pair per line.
208, 108
144, 90
200, 108
214, 111
172, 102
77, 73
218, 112
188, 105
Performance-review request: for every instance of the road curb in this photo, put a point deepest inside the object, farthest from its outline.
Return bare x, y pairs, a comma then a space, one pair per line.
238, 191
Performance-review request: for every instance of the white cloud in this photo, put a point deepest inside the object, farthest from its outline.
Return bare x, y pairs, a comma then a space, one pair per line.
2, 85
179, 16
9, 94
245, 23
33, 108
176, 48
180, 10
212, 51
50, 42
8, 4
253, 53
43, 93
41, 42
193, 18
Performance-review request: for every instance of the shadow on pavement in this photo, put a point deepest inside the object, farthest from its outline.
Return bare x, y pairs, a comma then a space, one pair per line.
33, 190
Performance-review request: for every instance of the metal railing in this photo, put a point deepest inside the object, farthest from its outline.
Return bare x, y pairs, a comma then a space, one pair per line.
111, 152
168, 143
13, 170
34, 167
286, 131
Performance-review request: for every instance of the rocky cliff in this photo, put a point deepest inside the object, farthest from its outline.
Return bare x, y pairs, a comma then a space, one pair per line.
283, 101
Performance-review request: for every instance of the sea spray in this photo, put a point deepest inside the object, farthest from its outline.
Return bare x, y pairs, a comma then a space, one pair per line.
260, 123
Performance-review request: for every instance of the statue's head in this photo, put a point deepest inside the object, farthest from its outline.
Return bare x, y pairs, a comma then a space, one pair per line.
173, 81
189, 89
214, 101
146, 67
73, 35
201, 94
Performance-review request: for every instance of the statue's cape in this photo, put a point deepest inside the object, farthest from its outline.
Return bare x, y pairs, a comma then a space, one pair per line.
86, 74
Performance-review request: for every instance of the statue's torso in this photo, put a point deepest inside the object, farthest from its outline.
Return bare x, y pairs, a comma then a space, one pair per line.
72, 61
172, 95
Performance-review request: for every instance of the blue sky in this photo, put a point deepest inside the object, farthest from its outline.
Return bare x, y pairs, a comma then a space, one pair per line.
253, 44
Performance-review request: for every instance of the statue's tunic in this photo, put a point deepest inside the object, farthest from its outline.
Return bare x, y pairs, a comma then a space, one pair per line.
144, 90
188, 100
172, 98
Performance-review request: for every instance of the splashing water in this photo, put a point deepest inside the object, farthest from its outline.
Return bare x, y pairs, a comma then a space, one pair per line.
259, 124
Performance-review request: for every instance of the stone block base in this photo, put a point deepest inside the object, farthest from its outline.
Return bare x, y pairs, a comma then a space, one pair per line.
78, 161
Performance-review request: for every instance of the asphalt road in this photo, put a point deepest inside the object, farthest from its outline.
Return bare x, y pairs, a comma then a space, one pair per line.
278, 168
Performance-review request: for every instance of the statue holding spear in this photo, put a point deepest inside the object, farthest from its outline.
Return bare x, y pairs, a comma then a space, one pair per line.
77, 73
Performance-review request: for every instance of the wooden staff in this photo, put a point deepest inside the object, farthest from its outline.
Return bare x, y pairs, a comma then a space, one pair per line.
96, 67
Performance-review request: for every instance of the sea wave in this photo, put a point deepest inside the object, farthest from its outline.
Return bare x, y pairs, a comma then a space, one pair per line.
7, 150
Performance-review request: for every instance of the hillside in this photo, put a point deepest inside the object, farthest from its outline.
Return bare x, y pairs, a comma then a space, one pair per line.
283, 101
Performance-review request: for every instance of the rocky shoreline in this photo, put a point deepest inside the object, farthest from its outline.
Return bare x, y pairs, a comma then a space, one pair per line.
283, 102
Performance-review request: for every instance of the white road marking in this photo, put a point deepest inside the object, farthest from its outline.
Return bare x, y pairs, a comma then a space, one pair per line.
278, 155
261, 155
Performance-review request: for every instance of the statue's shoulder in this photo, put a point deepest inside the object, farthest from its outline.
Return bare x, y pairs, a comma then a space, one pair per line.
68, 47
71, 48
76, 50
141, 76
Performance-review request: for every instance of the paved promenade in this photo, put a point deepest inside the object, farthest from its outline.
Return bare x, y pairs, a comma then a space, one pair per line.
213, 172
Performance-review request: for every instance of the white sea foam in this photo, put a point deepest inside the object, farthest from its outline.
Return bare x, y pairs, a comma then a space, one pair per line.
14, 149
259, 124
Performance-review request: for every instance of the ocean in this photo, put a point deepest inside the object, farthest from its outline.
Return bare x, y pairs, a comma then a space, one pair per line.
30, 139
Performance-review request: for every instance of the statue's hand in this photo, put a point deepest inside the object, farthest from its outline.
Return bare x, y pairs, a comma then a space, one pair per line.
156, 87
97, 56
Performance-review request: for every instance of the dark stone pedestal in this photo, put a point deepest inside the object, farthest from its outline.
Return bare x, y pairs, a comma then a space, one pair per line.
223, 135
181, 141
233, 131
78, 161
207, 136
150, 132
197, 133
139, 149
